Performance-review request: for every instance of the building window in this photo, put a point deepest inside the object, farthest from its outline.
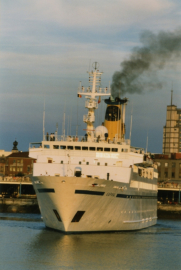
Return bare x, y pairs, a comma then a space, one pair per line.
28, 168
166, 174
158, 163
166, 164
173, 164
173, 175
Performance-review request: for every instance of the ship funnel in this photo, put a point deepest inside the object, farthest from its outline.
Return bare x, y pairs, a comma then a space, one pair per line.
115, 118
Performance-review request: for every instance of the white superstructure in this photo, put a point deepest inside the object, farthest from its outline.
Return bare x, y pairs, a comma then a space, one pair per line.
96, 182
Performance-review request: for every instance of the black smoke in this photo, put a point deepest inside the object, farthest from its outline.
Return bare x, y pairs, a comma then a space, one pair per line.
140, 71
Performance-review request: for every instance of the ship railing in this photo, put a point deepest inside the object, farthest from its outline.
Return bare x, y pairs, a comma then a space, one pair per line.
169, 185
74, 138
15, 179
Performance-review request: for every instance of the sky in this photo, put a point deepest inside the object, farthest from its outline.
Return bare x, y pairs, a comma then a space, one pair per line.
46, 48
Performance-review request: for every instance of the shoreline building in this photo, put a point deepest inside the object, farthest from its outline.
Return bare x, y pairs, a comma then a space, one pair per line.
172, 130
169, 162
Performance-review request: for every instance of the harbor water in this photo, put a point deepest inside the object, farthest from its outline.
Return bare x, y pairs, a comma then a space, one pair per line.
25, 243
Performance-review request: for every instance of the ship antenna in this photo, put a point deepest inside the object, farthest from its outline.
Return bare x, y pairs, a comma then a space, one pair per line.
131, 124
172, 94
89, 64
147, 142
44, 120
63, 124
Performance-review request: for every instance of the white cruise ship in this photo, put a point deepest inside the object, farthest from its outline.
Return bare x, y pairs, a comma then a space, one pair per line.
97, 182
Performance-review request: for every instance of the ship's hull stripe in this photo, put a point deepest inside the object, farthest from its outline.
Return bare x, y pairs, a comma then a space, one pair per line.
135, 196
89, 192
46, 190
126, 196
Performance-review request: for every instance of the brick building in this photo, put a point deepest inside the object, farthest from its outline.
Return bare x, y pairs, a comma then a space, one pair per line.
19, 164
169, 166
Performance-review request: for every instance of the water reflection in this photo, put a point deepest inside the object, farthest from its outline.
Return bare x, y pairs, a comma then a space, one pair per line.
29, 245
105, 251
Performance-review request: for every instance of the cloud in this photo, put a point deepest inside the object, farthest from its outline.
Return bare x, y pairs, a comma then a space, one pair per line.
84, 14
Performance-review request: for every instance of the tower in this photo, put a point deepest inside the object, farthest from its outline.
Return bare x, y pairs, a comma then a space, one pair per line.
172, 129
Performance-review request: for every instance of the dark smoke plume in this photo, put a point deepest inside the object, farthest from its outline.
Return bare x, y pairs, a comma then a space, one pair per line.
139, 71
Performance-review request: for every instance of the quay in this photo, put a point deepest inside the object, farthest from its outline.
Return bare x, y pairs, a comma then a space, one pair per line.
17, 195
19, 205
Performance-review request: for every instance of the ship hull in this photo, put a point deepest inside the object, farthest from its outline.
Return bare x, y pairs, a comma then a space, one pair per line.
76, 204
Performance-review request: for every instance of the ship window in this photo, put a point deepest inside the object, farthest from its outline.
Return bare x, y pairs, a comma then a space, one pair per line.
78, 216
55, 146
61, 162
114, 149
77, 148
105, 164
84, 148
92, 148
49, 160
57, 215
107, 149
62, 146
98, 163
87, 163
99, 149
80, 162
112, 113
70, 147
46, 146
